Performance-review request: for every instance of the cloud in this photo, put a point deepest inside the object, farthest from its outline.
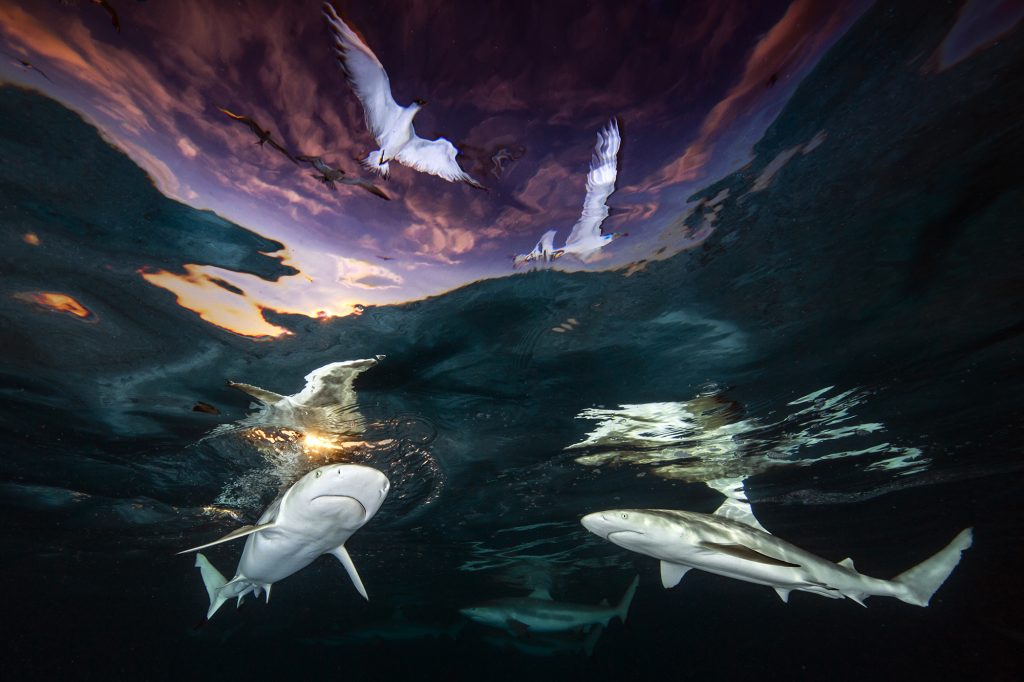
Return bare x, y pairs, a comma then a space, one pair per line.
440, 244
361, 274
792, 44
187, 148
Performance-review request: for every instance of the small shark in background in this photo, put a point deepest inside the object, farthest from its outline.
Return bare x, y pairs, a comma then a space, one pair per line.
329, 175
28, 66
325, 406
264, 135
732, 543
538, 612
315, 516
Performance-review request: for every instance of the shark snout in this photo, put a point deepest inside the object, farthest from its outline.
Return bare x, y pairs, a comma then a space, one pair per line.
607, 523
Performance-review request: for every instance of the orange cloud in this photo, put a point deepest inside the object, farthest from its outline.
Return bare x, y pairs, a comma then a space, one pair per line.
792, 44
212, 301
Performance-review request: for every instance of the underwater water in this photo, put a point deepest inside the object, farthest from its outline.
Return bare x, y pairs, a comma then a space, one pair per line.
829, 328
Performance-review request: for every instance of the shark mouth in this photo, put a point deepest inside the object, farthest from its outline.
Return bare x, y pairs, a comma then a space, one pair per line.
621, 532
343, 497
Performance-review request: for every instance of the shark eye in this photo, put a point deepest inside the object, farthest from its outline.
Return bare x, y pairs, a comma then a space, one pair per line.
625, 515
319, 473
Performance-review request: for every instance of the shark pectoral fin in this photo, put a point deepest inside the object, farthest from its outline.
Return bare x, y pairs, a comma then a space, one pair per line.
265, 397
233, 535
747, 554
847, 563
737, 510
517, 628
859, 598
671, 573
783, 594
342, 555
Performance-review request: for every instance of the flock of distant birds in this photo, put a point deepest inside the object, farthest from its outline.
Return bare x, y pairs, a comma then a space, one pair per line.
392, 128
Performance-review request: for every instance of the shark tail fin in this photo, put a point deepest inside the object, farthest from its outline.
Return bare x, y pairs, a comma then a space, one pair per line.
627, 599
214, 581
922, 581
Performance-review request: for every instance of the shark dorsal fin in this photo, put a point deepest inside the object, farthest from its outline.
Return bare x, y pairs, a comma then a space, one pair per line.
735, 510
342, 555
540, 593
264, 396
847, 563
746, 553
233, 535
671, 573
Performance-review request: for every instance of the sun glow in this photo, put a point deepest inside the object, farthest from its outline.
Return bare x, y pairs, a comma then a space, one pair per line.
60, 303
237, 301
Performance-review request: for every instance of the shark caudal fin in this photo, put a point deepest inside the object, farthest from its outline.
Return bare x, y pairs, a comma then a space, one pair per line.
627, 599
213, 581
922, 581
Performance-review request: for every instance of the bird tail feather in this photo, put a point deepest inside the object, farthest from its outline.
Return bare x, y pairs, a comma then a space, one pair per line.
375, 162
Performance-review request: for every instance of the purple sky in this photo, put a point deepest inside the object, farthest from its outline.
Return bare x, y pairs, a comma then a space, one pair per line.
694, 86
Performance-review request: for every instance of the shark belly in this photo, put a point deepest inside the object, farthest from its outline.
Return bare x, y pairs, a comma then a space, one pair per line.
276, 554
548, 617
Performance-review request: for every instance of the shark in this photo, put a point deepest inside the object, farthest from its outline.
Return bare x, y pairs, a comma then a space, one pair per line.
731, 543
325, 405
538, 612
315, 516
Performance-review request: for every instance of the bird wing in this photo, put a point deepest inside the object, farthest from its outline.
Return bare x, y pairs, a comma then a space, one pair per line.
368, 186
111, 11
273, 143
600, 185
238, 117
365, 73
546, 245
436, 157
42, 74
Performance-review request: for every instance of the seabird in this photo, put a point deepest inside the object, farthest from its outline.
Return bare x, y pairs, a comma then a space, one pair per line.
586, 237
28, 66
390, 124
329, 175
263, 135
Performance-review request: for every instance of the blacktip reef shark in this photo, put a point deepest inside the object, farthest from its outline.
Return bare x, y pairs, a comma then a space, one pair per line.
315, 516
538, 612
326, 405
732, 543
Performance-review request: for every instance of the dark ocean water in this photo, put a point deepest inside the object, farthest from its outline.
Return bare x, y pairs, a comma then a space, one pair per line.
882, 273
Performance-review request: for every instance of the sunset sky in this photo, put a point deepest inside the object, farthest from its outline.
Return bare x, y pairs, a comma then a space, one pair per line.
694, 85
